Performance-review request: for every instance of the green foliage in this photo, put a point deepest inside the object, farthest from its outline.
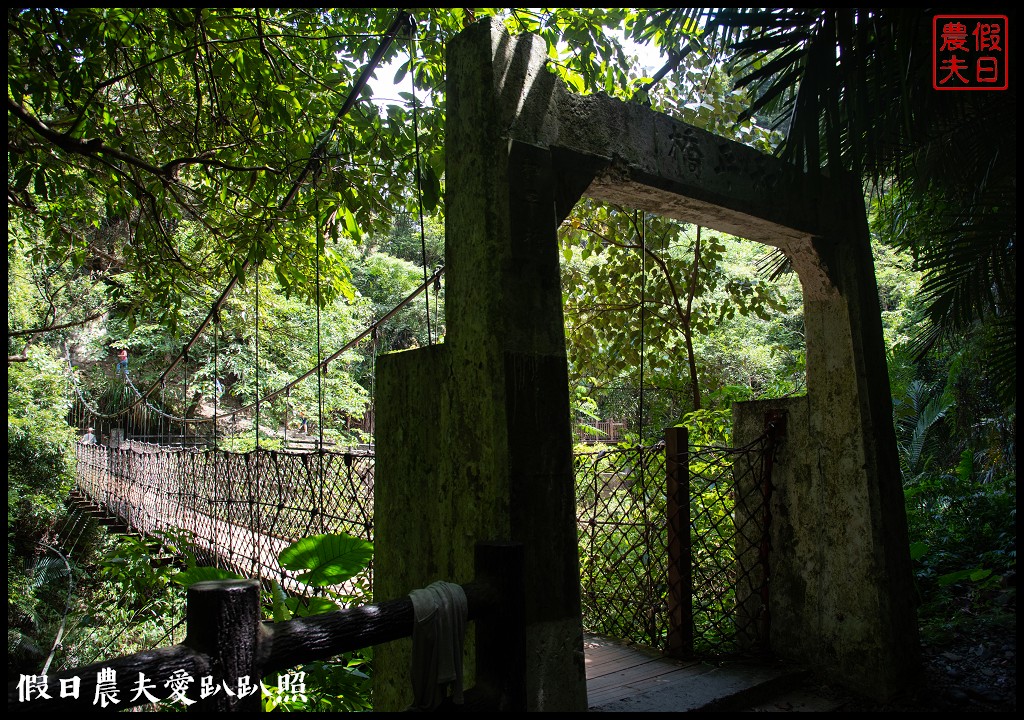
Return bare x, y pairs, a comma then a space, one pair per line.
852, 89
131, 604
327, 559
148, 166
39, 448
123, 602
677, 299
709, 427
129, 571
37, 598
160, 126
40, 455
385, 280
39, 476
917, 413
343, 683
117, 105
960, 490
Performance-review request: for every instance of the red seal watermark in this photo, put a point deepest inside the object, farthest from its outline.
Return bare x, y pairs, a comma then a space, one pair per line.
969, 52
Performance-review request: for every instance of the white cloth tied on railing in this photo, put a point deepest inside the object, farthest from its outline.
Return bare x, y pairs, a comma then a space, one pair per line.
438, 636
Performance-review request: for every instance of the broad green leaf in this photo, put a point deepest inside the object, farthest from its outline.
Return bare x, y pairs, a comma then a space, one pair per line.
282, 611
328, 559
201, 574
311, 606
917, 550
974, 574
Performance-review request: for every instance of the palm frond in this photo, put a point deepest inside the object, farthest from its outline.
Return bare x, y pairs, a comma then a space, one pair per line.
851, 88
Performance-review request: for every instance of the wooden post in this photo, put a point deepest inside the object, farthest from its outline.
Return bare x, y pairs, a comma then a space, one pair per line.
501, 630
680, 553
775, 428
224, 623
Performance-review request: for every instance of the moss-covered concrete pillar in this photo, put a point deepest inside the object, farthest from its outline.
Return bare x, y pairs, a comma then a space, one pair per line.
473, 437
841, 594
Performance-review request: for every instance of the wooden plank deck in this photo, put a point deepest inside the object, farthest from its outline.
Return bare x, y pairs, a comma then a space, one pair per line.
622, 678
616, 671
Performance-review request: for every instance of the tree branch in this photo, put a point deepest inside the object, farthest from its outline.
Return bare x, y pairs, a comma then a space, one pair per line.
50, 328
92, 147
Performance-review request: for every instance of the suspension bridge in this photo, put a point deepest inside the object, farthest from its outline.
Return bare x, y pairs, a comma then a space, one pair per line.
658, 525
656, 572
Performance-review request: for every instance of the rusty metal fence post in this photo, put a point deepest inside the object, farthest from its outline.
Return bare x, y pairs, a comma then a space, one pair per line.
680, 552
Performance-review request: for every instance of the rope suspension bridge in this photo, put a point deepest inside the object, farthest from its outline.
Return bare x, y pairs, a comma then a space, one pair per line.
241, 509
658, 525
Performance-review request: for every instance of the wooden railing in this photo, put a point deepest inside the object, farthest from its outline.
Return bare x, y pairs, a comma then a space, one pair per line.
228, 643
601, 431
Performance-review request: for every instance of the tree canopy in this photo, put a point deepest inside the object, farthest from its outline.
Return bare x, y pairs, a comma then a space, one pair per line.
124, 124
169, 149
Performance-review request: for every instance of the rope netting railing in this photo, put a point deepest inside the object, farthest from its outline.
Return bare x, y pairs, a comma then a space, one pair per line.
729, 490
679, 562
622, 532
672, 540
238, 510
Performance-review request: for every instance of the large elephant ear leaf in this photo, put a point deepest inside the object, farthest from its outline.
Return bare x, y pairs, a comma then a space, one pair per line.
328, 559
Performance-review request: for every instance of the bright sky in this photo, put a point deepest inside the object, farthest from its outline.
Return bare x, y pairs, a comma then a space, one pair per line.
385, 92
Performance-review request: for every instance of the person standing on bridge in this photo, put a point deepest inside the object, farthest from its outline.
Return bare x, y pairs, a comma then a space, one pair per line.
89, 438
122, 363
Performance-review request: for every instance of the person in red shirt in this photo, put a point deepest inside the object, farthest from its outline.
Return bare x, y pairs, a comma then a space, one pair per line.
122, 362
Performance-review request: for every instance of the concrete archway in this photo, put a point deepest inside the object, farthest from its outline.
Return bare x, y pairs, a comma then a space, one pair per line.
473, 438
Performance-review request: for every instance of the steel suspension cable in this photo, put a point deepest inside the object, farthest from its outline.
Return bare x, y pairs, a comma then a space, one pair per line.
319, 362
401, 19
643, 307
419, 171
358, 338
216, 384
641, 454
319, 353
184, 398
257, 357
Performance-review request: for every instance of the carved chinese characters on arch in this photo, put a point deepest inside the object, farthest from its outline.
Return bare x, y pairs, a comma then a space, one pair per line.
685, 148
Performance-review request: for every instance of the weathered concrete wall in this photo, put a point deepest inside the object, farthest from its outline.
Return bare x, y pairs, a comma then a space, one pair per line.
480, 426
841, 595
794, 459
